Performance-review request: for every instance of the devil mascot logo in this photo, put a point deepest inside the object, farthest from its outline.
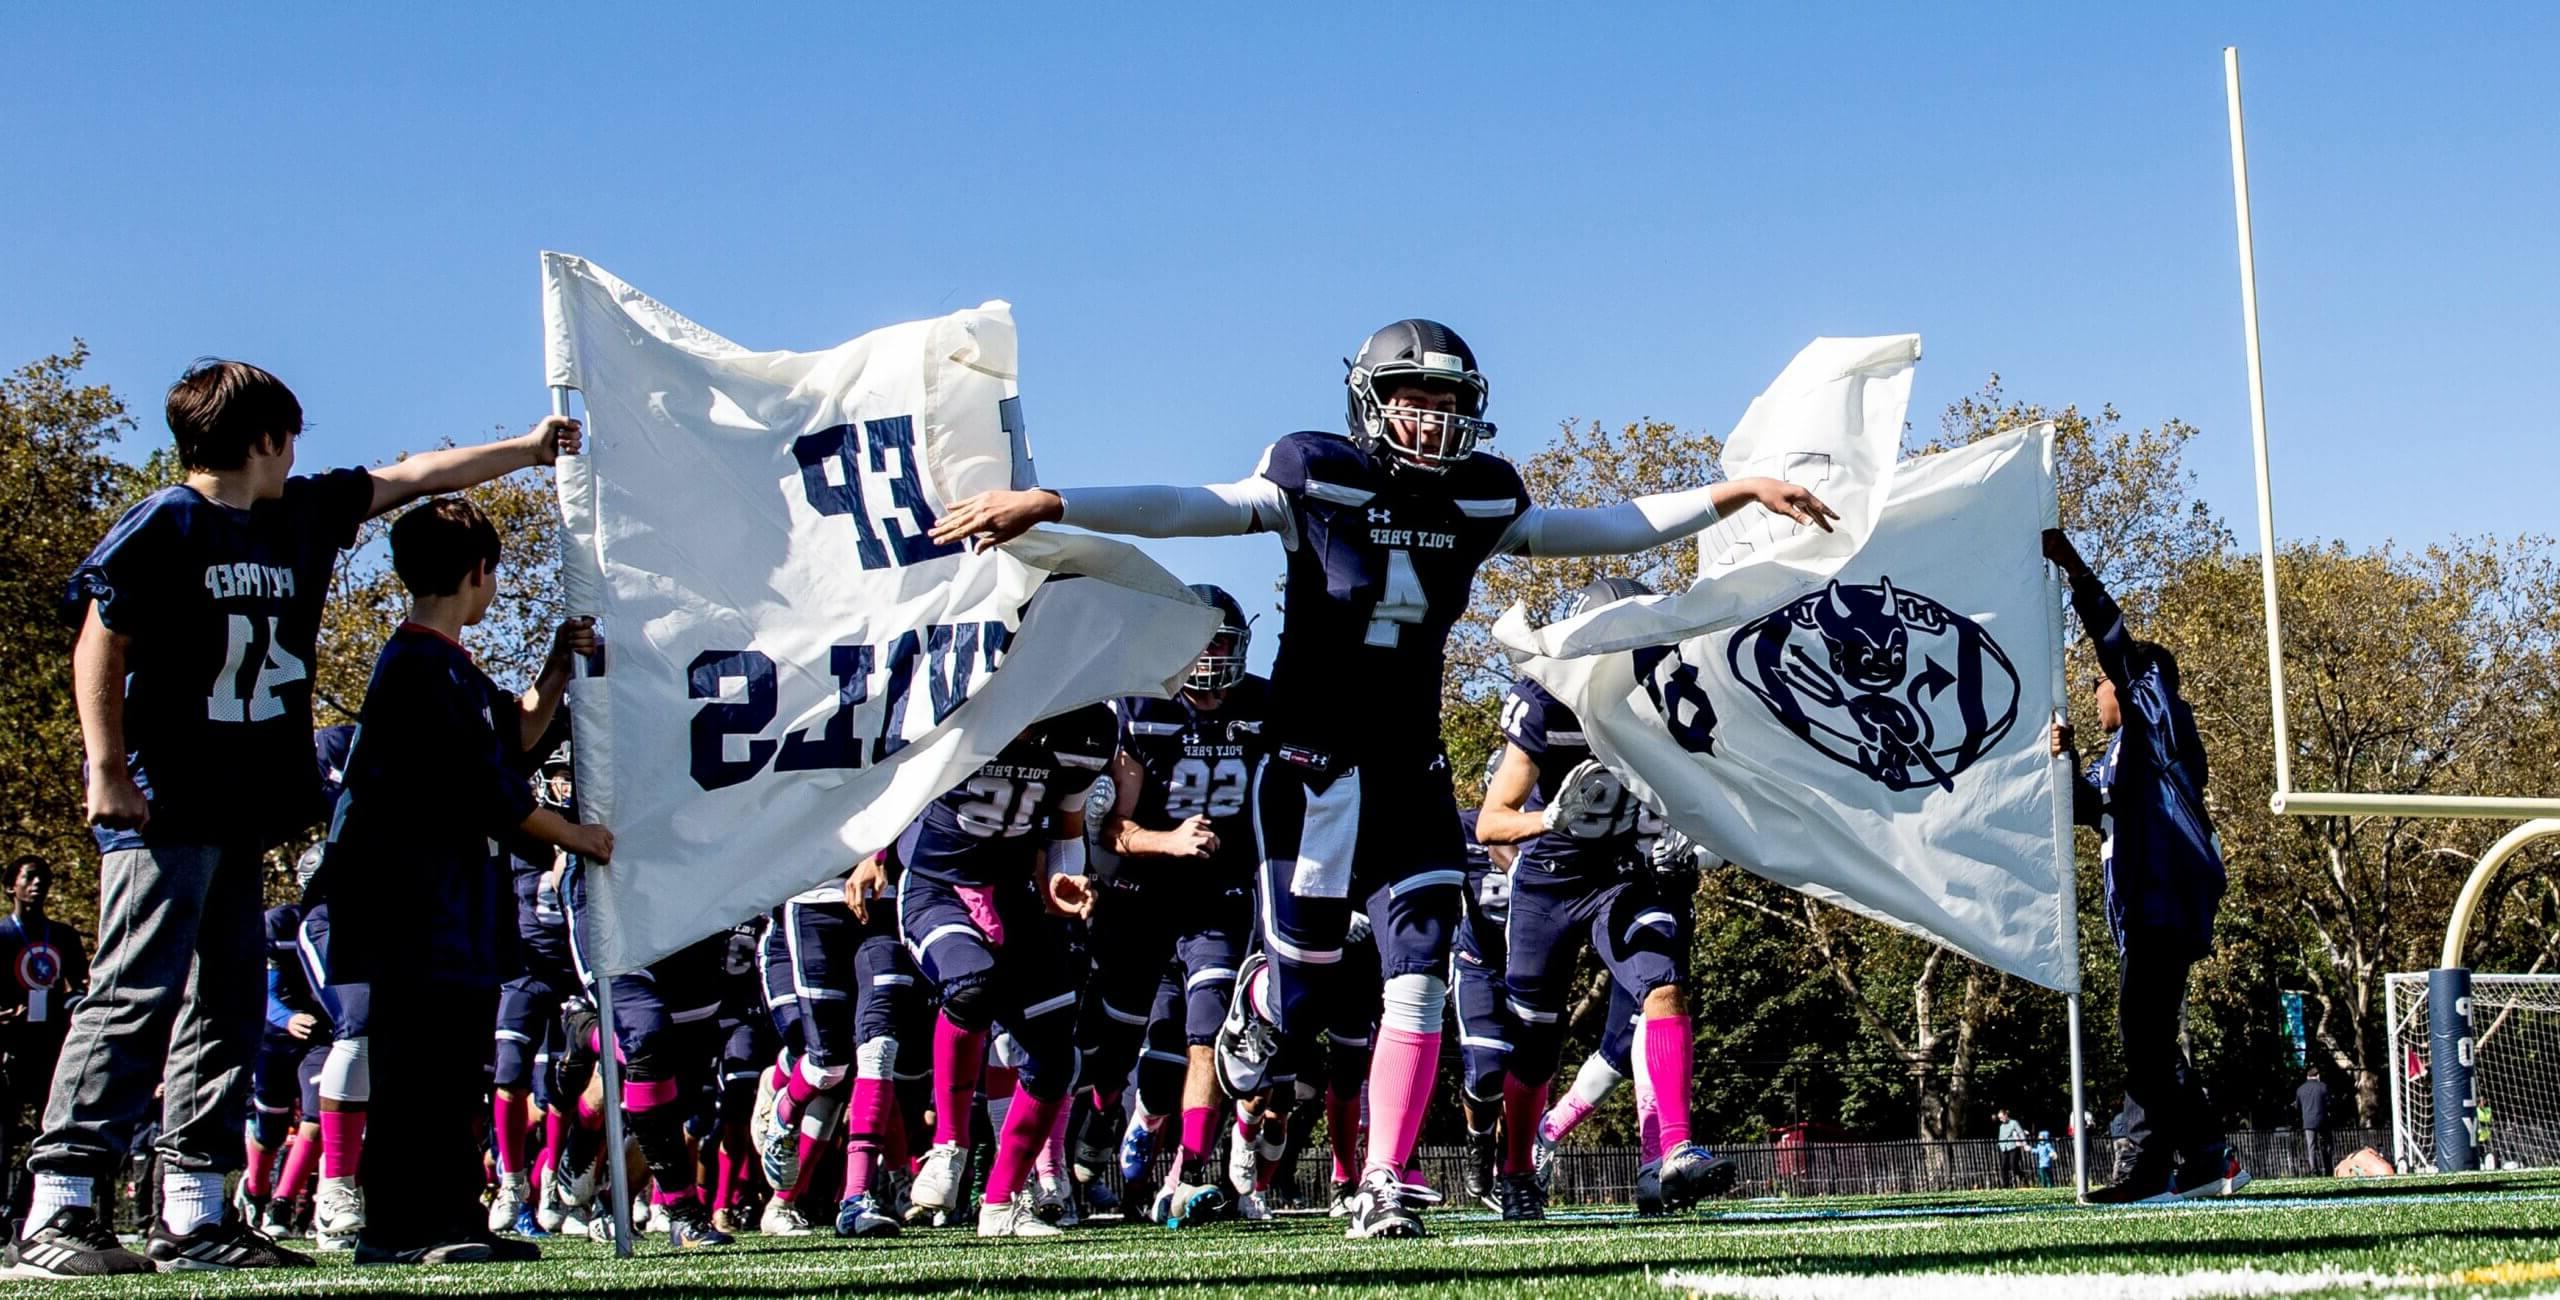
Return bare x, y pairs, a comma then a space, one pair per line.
1888, 682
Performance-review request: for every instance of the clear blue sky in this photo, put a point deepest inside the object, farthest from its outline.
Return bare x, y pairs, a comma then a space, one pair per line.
1630, 213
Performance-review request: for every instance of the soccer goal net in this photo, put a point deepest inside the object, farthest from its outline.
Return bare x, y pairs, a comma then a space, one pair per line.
2515, 1027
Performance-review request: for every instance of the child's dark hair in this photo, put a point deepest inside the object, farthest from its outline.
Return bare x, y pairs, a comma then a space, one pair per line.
18, 868
220, 409
438, 543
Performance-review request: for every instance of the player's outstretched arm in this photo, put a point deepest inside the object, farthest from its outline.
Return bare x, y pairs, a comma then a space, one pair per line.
456, 468
1216, 510
1649, 521
575, 636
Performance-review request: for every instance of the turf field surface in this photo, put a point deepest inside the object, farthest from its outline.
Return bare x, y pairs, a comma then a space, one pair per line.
2450, 1236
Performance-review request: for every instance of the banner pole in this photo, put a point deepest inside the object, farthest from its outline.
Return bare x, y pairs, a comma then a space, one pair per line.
2079, 1105
2258, 419
608, 1056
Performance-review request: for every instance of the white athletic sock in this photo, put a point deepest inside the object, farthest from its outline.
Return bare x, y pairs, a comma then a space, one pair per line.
189, 1200
55, 1192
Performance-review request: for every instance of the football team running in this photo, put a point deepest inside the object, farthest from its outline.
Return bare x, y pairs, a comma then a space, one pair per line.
1155, 935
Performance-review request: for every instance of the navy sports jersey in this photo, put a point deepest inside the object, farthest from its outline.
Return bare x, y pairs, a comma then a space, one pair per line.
1382, 563
42, 962
542, 925
289, 988
1488, 898
1198, 765
223, 608
1607, 840
991, 827
436, 778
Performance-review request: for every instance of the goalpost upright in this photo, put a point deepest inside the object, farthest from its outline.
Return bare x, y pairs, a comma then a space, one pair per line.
2448, 986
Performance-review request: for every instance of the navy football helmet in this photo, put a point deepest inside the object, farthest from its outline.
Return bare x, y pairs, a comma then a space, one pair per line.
1221, 665
1424, 354
1604, 591
554, 787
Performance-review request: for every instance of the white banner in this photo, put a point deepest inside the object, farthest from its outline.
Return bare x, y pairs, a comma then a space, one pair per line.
792, 669
1876, 740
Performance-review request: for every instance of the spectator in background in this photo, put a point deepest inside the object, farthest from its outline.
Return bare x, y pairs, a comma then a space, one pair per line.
2044, 1157
2013, 1150
2313, 1100
50, 968
2164, 881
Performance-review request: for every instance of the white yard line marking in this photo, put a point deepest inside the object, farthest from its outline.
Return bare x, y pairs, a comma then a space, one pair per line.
2196, 1285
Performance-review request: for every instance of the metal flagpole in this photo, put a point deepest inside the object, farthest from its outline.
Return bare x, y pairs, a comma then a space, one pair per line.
2079, 1104
2258, 423
608, 1056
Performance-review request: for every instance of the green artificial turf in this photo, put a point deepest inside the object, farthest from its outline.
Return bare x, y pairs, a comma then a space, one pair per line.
2412, 1232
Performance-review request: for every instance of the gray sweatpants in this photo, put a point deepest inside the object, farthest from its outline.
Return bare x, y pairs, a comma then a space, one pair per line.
176, 998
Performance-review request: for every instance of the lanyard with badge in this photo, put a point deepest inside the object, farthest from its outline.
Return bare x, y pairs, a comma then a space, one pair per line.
39, 970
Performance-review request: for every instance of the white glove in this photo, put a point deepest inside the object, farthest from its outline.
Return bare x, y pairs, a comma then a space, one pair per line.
1586, 803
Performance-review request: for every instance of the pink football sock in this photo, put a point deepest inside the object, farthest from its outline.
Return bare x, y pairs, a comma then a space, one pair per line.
1199, 1130
300, 1154
1342, 1132
1026, 1130
1052, 1160
510, 1116
1521, 1106
1564, 1117
253, 1175
1648, 1116
1668, 1052
958, 1055
1400, 1079
341, 1143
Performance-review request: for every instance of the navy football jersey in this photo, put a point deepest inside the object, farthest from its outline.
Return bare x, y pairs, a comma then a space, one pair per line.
436, 778
1383, 563
1198, 765
1609, 839
542, 925
288, 981
223, 607
992, 827
1488, 907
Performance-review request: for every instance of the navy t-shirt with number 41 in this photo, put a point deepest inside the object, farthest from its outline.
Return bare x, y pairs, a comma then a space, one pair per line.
223, 608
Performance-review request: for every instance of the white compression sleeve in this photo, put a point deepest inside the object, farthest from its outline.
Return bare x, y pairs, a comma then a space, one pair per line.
1627, 527
1218, 510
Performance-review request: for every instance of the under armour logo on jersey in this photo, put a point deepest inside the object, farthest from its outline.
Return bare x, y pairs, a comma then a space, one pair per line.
1381, 515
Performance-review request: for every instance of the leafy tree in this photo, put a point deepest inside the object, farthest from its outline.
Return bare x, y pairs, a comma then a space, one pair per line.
60, 489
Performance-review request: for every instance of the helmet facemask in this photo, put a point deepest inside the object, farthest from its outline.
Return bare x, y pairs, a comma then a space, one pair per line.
1421, 437
1221, 665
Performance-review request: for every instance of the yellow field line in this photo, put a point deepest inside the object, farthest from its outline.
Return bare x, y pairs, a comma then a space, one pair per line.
2511, 1273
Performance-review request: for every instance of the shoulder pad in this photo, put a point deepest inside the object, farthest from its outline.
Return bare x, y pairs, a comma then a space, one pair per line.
1322, 465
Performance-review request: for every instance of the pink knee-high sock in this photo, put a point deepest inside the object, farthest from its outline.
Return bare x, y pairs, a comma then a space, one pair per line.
1026, 1130
958, 1056
893, 1138
300, 1155
254, 1178
1668, 1053
726, 1184
1342, 1132
1566, 1116
868, 1123
341, 1143
555, 1130
511, 1119
1648, 1113
1521, 1107
1199, 1130
1400, 1079
1051, 1163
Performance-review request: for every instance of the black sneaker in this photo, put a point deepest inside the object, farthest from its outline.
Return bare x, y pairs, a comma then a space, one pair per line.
1482, 1150
506, 1250
689, 1226
2134, 1188
464, 1250
1386, 1207
1247, 1043
1522, 1199
2216, 1172
73, 1243
220, 1246
1098, 1143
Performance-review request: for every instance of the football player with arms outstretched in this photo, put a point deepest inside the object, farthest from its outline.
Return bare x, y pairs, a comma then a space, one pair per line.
1385, 530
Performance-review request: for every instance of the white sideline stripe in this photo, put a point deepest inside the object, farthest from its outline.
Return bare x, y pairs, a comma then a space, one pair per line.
2192, 1285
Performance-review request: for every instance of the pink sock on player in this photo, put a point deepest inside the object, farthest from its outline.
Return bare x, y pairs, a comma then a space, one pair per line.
1668, 1053
510, 1115
1400, 1078
1566, 1116
300, 1154
253, 1175
1199, 1131
1342, 1132
1026, 1130
341, 1143
664, 1197
1052, 1161
958, 1055
727, 1181
813, 1153
1648, 1115
1521, 1107
650, 1094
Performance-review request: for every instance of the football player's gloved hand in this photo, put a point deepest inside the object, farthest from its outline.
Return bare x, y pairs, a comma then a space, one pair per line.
1359, 930
1493, 892
1585, 806
1672, 851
